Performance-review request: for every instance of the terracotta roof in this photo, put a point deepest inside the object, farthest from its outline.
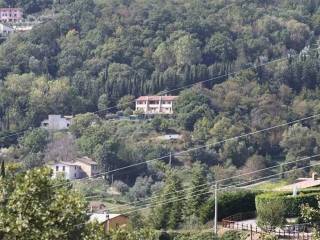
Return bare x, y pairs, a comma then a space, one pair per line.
156, 98
86, 160
306, 183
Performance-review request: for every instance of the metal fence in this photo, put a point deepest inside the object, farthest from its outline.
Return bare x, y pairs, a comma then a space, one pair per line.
297, 231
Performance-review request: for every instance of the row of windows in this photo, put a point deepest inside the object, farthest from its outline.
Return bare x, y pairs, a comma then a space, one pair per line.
154, 102
10, 15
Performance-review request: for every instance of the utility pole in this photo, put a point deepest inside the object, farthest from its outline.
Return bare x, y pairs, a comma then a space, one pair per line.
216, 208
170, 159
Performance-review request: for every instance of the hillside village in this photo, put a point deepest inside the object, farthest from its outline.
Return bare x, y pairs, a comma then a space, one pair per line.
152, 120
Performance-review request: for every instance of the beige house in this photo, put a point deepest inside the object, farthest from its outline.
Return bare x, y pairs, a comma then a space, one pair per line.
80, 168
88, 167
155, 104
110, 221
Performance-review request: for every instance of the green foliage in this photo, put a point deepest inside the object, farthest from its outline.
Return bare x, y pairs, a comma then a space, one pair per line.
199, 190
35, 141
192, 236
290, 205
166, 214
232, 235
229, 203
271, 212
51, 212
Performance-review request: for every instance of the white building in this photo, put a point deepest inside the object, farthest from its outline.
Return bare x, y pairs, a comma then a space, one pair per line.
155, 104
5, 30
57, 122
66, 169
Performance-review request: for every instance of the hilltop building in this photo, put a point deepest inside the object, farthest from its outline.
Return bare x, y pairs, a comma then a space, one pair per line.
56, 122
11, 14
155, 104
81, 168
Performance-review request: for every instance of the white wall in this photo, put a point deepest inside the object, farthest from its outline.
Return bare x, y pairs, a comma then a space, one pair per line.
71, 171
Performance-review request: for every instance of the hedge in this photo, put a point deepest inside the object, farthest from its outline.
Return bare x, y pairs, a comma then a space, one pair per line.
292, 203
187, 236
229, 203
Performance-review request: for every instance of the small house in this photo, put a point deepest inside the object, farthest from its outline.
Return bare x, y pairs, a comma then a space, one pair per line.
68, 170
56, 122
110, 221
88, 167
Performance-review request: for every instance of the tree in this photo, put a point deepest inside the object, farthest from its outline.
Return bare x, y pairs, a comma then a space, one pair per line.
103, 103
126, 102
199, 189
32, 208
35, 141
298, 142
271, 214
167, 214
81, 122
187, 50
254, 163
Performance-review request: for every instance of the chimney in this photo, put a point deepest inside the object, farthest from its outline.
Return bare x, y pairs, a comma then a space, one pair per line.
314, 176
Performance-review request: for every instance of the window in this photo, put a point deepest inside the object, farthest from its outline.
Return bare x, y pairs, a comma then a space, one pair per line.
63, 168
75, 167
75, 175
57, 168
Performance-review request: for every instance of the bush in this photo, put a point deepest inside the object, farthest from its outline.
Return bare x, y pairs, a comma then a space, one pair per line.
292, 204
229, 203
232, 235
271, 213
192, 236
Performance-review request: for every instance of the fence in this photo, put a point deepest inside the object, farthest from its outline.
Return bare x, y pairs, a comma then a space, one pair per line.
298, 231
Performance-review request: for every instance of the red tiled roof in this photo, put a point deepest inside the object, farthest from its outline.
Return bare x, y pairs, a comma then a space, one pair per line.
307, 183
157, 98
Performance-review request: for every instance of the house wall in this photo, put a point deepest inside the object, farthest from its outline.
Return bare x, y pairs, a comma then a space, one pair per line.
10, 14
56, 122
164, 107
71, 171
117, 222
89, 170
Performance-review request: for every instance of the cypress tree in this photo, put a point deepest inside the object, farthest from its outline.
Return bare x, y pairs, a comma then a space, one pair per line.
2, 170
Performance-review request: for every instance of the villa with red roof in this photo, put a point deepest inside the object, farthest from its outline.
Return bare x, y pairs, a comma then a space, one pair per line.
155, 104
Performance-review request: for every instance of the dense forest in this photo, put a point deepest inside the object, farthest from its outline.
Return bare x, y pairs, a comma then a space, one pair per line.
238, 66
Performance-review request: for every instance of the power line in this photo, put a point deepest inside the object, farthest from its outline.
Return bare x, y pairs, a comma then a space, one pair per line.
190, 85
223, 180
201, 147
211, 191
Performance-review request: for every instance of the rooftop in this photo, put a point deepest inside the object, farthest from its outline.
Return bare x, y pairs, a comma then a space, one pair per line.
86, 160
157, 98
301, 183
102, 217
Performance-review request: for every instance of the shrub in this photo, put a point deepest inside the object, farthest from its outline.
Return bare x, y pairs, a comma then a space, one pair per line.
229, 203
232, 235
271, 213
291, 203
192, 236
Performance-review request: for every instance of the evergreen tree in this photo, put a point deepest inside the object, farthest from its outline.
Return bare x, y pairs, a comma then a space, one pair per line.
168, 210
199, 188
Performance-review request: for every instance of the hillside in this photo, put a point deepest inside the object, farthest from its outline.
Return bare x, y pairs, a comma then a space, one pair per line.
237, 67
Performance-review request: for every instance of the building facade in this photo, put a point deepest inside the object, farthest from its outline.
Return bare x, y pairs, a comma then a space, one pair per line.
81, 168
56, 122
110, 221
68, 170
11, 14
5, 30
155, 104
88, 167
